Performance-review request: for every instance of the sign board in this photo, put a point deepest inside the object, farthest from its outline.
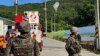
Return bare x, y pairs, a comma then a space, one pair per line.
1, 27
33, 16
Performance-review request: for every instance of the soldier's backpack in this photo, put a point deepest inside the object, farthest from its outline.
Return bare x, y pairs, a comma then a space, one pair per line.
23, 47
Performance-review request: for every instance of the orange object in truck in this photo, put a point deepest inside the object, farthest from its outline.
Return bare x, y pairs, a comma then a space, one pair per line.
2, 42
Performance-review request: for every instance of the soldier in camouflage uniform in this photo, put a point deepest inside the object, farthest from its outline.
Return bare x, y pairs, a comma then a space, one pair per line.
23, 45
73, 46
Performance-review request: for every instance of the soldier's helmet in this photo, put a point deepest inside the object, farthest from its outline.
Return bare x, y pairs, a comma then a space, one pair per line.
74, 29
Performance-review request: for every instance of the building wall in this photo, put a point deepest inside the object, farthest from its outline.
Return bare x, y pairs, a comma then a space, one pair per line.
4, 23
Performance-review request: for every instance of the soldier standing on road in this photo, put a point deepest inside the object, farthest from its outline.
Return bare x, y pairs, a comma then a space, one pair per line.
73, 46
23, 45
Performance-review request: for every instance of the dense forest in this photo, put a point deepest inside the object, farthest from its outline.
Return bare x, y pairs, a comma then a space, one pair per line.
70, 12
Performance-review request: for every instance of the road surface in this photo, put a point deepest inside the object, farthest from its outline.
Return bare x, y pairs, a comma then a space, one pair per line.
56, 48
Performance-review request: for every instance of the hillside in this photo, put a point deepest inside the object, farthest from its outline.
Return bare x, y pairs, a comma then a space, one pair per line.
74, 12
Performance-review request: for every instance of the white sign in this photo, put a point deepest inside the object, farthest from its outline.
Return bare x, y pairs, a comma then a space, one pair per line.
33, 16
1, 27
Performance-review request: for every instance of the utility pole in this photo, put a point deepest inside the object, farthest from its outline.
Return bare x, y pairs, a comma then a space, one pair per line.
97, 25
51, 24
54, 22
16, 5
45, 17
16, 9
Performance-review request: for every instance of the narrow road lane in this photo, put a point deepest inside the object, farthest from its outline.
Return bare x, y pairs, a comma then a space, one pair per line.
57, 48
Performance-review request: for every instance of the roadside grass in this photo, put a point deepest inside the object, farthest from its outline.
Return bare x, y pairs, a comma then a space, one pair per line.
56, 35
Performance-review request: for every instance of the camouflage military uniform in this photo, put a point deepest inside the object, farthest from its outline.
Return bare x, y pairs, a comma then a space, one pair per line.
73, 47
22, 46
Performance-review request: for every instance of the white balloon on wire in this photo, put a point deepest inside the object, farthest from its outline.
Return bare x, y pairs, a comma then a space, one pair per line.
56, 5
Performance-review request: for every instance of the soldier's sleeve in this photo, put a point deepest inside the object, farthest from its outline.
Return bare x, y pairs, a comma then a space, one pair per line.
9, 46
36, 49
67, 43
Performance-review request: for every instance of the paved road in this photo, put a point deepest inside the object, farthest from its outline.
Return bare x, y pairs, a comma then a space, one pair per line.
56, 48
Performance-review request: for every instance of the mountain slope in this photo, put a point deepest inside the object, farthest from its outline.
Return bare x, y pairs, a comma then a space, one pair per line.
70, 12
